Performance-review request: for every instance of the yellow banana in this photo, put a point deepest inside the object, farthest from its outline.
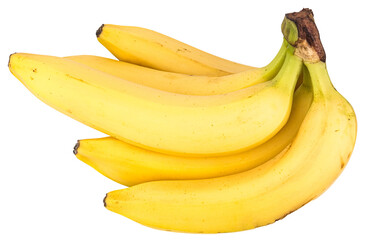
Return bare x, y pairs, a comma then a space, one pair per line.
130, 165
154, 119
182, 83
299, 174
151, 49
259, 196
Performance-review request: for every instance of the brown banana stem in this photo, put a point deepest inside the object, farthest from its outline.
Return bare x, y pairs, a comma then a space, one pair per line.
308, 44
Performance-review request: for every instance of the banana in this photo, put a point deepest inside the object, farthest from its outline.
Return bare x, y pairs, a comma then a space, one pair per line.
158, 120
259, 196
269, 192
182, 83
151, 49
130, 165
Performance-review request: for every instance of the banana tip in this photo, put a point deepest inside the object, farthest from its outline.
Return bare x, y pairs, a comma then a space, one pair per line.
99, 31
9, 59
104, 200
75, 150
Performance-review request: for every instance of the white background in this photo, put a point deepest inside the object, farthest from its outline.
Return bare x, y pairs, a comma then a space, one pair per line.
46, 193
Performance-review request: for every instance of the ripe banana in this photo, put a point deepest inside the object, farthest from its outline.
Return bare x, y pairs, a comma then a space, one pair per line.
259, 196
154, 119
182, 83
130, 165
151, 49
299, 174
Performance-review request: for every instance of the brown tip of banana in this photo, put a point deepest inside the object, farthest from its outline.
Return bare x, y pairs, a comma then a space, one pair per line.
308, 34
99, 31
9, 59
104, 201
75, 150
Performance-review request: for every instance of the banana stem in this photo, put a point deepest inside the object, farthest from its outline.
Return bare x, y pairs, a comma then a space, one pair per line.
290, 71
300, 30
321, 83
306, 78
271, 70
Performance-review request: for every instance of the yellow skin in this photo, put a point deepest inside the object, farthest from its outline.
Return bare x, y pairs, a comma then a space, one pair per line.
130, 165
152, 49
163, 121
259, 196
183, 83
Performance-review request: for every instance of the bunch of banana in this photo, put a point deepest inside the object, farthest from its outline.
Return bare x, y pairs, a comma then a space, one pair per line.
240, 146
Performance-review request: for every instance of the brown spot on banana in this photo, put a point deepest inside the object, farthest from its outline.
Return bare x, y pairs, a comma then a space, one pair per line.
99, 30
76, 146
104, 201
342, 165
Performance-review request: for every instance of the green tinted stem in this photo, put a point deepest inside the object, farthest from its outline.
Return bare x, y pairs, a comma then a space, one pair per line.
321, 83
290, 71
271, 70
